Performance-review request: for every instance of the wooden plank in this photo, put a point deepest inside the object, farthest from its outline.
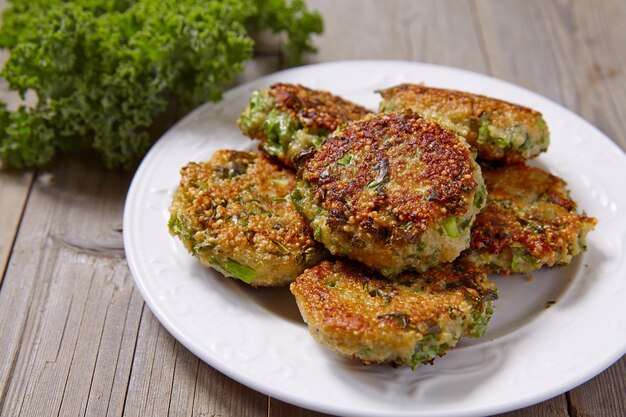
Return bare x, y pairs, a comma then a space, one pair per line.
514, 36
217, 395
152, 371
599, 65
399, 29
89, 340
64, 269
14, 189
454, 40
167, 379
111, 375
184, 382
353, 29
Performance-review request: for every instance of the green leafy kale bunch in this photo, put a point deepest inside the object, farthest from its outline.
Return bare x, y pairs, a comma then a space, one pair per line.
107, 73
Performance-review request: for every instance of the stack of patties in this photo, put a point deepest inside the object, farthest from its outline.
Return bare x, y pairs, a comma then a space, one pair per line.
379, 227
529, 221
234, 212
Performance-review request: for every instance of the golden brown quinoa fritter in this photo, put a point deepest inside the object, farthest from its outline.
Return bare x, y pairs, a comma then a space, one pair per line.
497, 129
233, 212
407, 321
529, 222
393, 191
291, 118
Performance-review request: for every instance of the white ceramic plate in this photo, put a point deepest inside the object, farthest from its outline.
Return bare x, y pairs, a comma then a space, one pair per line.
534, 349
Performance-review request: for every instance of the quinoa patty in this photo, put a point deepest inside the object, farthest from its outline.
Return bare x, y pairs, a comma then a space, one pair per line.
529, 222
497, 129
408, 321
234, 214
393, 191
291, 118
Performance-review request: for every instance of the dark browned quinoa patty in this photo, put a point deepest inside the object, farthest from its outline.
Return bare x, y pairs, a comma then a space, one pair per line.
529, 222
393, 191
291, 118
234, 214
407, 321
497, 129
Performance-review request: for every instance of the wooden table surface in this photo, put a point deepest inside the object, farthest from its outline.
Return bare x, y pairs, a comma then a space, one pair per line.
75, 335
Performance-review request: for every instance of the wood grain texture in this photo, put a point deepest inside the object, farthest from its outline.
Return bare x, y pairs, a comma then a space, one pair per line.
399, 29
167, 379
358, 27
14, 189
67, 259
109, 381
600, 64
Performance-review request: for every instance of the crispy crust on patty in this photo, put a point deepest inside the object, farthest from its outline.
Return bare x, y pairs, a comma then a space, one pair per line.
317, 110
407, 321
291, 118
497, 129
233, 212
382, 190
529, 222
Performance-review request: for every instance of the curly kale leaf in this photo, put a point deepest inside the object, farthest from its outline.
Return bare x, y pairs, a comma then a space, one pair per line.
111, 74
32, 140
292, 18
